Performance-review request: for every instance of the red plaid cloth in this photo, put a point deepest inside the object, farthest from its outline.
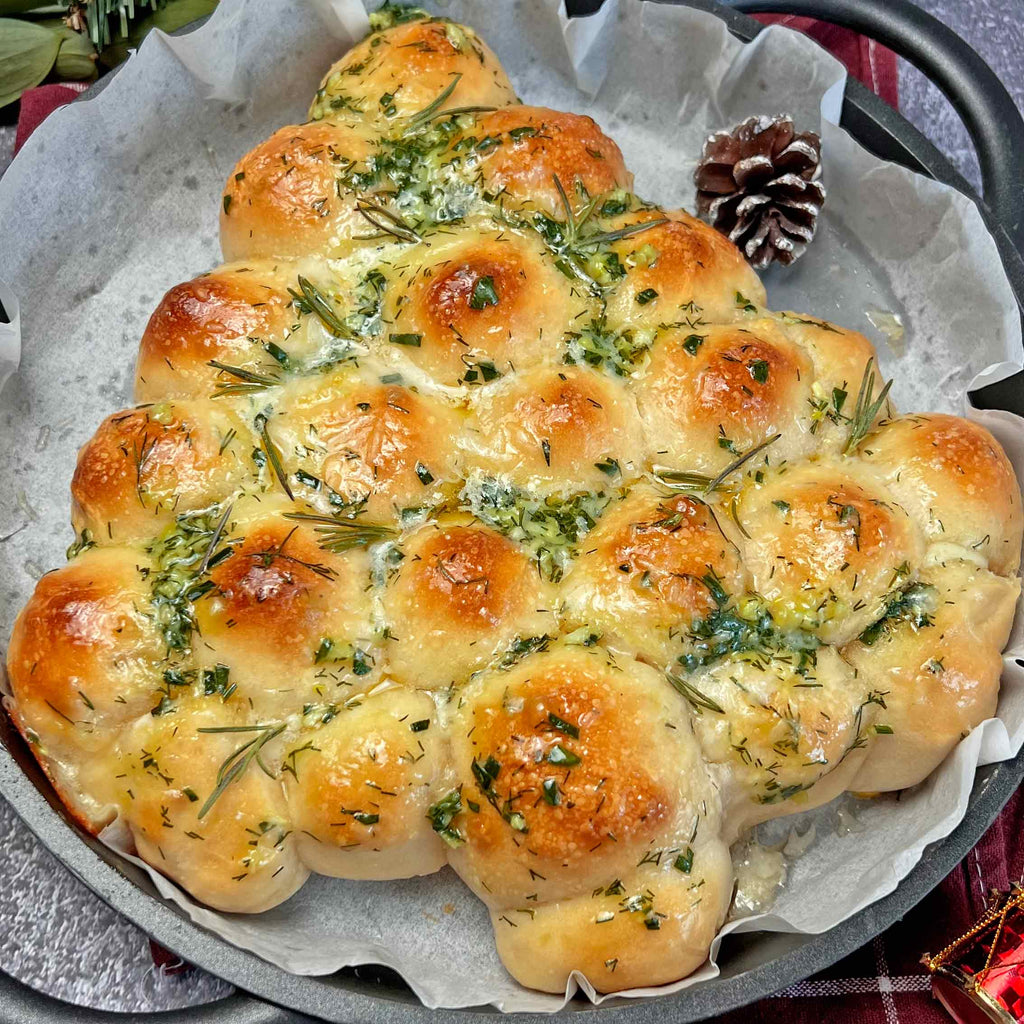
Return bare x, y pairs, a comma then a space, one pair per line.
884, 982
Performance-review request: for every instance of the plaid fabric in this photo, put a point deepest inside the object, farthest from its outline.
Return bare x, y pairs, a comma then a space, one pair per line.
884, 982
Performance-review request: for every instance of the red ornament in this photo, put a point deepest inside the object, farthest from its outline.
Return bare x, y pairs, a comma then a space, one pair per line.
979, 978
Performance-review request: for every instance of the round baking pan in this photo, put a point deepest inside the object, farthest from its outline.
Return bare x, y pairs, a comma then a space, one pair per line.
753, 965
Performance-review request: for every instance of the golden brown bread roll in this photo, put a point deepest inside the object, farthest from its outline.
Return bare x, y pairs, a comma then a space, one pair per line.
144, 466
460, 594
697, 275
572, 821
283, 198
641, 577
710, 394
231, 315
382, 447
233, 853
825, 545
953, 477
524, 149
790, 727
482, 512
403, 66
558, 428
472, 309
360, 784
934, 660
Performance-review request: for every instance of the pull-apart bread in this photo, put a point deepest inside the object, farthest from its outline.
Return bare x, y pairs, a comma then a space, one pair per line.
480, 512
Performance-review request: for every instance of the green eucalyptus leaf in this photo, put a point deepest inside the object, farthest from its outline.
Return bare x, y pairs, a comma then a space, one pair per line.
9, 7
27, 53
76, 59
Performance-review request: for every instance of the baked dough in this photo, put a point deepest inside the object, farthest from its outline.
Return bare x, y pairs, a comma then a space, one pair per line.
479, 512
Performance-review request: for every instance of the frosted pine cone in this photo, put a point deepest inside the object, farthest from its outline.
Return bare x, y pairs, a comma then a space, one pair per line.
759, 185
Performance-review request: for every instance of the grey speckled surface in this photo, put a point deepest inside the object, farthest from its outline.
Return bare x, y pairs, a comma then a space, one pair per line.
59, 938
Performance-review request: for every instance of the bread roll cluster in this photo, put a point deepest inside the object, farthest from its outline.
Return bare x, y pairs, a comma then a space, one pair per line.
480, 512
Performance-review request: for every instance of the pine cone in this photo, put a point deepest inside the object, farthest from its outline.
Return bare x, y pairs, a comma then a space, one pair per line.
758, 185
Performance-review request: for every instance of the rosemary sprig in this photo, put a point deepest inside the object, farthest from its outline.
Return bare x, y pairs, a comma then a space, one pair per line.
268, 556
218, 532
273, 453
391, 224
576, 221
700, 702
432, 109
699, 482
245, 382
568, 240
606, 237
789, 318
235, 764
867, 408
339, 535
312, 300
455, 111
682, 480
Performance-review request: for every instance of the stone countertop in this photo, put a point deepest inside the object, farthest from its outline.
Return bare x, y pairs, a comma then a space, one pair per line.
60, 939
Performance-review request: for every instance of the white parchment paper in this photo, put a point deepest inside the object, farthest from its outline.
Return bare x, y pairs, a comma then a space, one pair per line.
115, 199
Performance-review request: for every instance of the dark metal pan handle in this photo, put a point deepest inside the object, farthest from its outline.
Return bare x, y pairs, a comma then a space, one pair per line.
987, 109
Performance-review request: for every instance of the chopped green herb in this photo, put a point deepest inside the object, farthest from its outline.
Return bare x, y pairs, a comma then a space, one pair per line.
525, 131
484, 293
523, 646
549, 527
914, 605
409, 340
563, 726
558, 755
759, 370
684, 862
83, 543
443, 813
